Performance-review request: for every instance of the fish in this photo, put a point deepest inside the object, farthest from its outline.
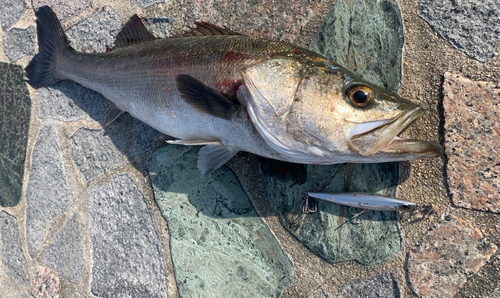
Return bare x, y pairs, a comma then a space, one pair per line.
365, 201
230, 92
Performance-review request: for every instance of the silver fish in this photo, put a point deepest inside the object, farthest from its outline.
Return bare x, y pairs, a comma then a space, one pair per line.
233, 93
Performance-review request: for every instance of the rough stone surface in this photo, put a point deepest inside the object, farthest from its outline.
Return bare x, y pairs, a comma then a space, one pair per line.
472, 131
329, 233
160, 27
469, 25
78, 295
278, 20
15, 111
97, 32
146, 3
450, 253
65, 254
496, 295
219, 245
97, 151
10, 12
381, 285
18, 43
45, 284
143, 139
370, 47
125, 246
47, 191
68, 101
64, 9
13, 259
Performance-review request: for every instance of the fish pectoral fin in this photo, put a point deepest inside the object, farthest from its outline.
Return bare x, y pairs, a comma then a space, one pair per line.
112, 114
134, 31
204, 98
194, 142
212, 157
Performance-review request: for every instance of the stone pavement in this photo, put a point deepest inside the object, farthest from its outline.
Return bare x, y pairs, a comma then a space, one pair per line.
89, 211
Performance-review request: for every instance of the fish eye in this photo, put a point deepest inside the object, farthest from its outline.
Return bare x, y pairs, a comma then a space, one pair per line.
360, 96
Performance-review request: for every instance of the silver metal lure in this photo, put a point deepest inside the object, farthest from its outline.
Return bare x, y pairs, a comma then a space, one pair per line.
364, 201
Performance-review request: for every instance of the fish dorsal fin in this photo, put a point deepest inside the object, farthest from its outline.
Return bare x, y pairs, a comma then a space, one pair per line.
204, 98
207, 29
133, 31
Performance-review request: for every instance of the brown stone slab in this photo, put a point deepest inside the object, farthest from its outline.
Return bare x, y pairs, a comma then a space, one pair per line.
450, 253
472, 142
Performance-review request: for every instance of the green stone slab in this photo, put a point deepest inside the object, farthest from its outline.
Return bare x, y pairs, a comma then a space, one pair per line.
372, 239
15, 107
220, 247
366, 37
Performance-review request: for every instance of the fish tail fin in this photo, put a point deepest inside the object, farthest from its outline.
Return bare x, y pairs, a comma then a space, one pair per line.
52, 42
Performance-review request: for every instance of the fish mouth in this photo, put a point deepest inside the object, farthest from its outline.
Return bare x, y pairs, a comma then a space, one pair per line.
382, 136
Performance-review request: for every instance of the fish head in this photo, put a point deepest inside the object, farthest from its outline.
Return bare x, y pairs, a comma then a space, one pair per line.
315, 111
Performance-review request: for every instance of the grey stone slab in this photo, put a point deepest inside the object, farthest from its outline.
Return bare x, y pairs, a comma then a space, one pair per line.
15, 108
47, 192
160, 27
65, 253
469, 25
13, 259
95, 152
10, 12
68, 101
64, 9
18, 43
125, 247
329, 233
146, 3
372, 47
96, 33
144, 138
220, 247
381, 285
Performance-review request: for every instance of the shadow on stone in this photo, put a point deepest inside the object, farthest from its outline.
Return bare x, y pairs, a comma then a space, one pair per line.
220, 246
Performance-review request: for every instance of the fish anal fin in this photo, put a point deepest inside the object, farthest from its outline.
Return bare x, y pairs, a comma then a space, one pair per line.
134, 31
212, 157
207, 29
204, 98
112, 114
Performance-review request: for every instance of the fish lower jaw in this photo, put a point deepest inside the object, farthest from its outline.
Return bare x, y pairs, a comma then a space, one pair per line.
411, 146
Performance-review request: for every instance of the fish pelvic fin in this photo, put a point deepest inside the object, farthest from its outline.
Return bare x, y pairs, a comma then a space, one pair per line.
52, 42
212, 157
112, 113
194, 142
204, 98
